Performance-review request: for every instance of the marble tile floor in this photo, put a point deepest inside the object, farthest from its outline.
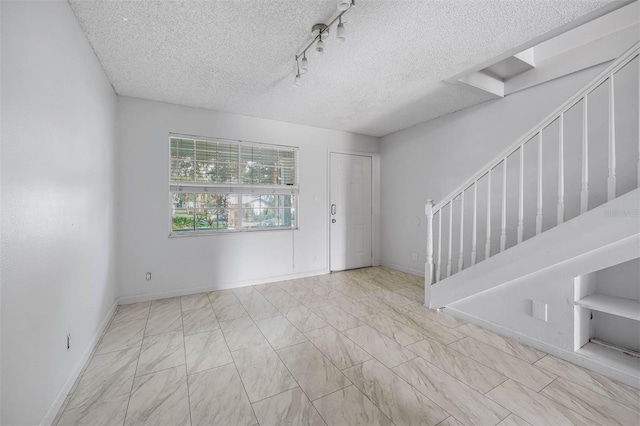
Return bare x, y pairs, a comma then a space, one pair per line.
354, 347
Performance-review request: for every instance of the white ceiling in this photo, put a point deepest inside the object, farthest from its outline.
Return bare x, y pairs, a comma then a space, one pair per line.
238, 56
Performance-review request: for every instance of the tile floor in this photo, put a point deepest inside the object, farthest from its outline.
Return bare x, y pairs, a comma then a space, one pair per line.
354, 347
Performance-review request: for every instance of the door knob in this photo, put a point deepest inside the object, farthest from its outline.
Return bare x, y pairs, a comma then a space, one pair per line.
333, 221
333, 209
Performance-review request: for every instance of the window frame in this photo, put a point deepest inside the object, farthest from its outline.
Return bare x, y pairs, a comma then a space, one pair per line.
240, 190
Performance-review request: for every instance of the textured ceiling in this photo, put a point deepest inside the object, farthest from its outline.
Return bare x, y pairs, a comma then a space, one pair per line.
238, 56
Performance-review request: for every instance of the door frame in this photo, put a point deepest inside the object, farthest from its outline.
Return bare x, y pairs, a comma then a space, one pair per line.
375, 203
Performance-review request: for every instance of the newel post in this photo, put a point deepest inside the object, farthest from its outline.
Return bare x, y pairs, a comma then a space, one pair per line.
428, 266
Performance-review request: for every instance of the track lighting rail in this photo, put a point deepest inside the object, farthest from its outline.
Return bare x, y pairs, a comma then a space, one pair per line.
323, 31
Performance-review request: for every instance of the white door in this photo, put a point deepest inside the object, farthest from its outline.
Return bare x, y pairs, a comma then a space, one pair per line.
350, 212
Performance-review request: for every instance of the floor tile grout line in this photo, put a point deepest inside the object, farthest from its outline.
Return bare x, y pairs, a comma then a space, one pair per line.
491, 368
184, 354
277, 394
596, 389
454, 379
413, 387
343, 335
496, 386
126, 413
547, 385
292, 376
580, 386
339, 390
506, 339
393, 338
373, 403
89, 360
560, 403
235, 366
283, 363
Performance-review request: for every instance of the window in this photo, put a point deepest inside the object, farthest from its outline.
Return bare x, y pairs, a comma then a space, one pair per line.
220, 185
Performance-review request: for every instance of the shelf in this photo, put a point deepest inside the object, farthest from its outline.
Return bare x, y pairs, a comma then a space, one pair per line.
629, 365
619, 306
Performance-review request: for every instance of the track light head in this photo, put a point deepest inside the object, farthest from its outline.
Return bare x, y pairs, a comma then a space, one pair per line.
320, 46
304, 64
344, 4
296, 81
341, 34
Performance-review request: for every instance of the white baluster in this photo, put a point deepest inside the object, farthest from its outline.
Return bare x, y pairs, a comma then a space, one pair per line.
487, 246
521, 197
461, 257
560, 217
611, 180
539, 197
474, 253
428, 210
503, 232
438, 268
450, 237
584, 194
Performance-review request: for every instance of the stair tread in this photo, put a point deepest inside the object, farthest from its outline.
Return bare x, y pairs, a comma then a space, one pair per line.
619, 306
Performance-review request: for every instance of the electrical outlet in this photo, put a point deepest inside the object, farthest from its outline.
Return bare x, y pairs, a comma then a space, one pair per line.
148, 276
68, 341
414, 257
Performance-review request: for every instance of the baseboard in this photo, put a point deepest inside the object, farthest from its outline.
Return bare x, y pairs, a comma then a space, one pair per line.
413, 271
185, 292
570, 356
62, 394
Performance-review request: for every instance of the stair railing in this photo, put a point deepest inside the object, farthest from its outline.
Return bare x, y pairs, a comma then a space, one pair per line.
435, 270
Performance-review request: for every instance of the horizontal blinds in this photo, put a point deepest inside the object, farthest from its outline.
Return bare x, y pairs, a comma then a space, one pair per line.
231, 165
233, 189
268, 166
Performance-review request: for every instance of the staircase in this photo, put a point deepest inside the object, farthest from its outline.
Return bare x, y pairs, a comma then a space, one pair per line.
562, 200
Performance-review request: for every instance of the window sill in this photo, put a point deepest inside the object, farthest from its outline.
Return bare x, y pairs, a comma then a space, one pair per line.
233, 232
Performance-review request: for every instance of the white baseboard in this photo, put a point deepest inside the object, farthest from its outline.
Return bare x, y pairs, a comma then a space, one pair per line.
573, 357
414, 271
184, 292
62, 394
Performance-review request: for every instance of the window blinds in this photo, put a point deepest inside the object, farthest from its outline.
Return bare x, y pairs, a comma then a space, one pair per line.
225, 166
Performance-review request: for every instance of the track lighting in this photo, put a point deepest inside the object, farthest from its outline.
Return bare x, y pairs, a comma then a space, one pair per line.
321, 31
344, 4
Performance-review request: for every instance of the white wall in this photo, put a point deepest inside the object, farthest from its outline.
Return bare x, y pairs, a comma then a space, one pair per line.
190, 264
58, 193
622, 280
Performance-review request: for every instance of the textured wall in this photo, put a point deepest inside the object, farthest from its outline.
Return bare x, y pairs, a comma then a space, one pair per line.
58, 195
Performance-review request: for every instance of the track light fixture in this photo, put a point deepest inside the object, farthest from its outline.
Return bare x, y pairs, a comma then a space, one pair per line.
296, 81
341, 34
321, 31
